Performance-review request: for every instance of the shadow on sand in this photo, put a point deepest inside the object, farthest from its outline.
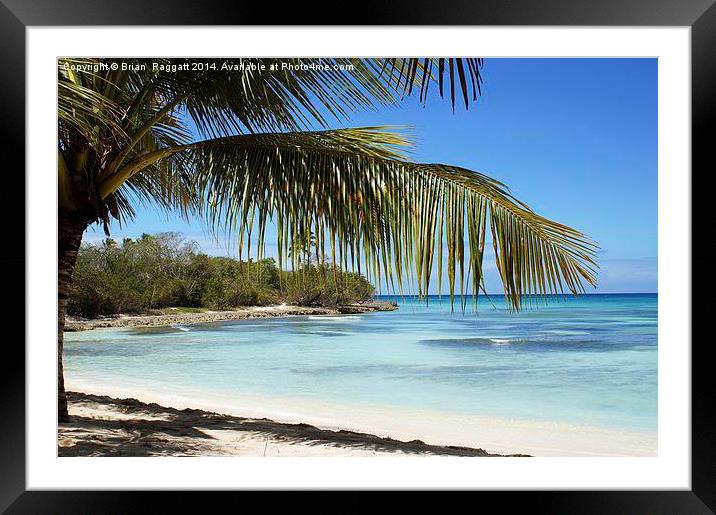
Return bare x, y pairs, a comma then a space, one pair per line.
153, 430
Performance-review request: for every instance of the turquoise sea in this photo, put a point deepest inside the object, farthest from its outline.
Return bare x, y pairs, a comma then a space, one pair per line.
590, 360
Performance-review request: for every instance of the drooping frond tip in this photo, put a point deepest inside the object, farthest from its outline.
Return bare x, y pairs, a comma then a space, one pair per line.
455, 76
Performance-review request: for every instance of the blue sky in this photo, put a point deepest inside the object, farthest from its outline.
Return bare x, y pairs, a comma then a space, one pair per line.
576, 139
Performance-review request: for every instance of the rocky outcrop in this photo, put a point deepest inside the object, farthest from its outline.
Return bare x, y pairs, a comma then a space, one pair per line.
76, 324
367, 307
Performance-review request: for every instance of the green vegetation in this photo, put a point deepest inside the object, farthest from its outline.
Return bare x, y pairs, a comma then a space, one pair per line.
160, 271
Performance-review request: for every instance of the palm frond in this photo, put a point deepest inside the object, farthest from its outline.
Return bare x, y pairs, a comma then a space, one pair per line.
407, 74
383, 215
235, 96
88, 114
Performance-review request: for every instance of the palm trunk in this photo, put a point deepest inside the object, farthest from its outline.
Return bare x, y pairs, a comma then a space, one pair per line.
70, 230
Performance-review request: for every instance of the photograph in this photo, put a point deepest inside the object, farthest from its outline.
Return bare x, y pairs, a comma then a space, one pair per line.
429, 248
357, 257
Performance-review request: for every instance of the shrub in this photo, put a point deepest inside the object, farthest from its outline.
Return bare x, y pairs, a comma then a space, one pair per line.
321, 285
163, 270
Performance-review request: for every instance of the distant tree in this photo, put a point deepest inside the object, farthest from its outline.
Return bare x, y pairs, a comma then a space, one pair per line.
301, 248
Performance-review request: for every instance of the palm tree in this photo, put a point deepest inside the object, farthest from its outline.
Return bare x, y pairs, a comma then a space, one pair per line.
234, 141
301, 247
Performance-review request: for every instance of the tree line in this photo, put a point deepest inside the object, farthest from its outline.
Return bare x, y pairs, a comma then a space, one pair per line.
164, 270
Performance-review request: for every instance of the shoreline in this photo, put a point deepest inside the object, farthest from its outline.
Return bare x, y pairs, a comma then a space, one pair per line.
494, 435
105, 426
73, 324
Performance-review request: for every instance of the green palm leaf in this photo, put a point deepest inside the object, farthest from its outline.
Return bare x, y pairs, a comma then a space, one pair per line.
406, 74
387, 217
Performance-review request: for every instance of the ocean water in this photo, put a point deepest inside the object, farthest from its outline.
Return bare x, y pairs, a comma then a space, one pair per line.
590, 360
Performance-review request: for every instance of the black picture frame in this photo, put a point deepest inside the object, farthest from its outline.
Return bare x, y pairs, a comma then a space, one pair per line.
700, 15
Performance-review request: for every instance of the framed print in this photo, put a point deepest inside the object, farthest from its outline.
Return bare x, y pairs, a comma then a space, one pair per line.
431, 251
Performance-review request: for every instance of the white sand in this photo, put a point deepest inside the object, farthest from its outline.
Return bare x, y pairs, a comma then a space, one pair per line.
495, 435
222, 442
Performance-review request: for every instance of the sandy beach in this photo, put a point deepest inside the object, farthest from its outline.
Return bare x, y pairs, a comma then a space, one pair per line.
112, 421
165, 376
106, 426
